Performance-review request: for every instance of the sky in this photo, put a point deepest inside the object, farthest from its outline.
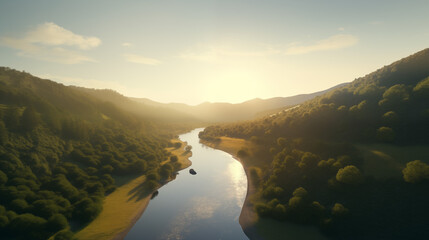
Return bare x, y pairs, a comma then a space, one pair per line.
216, 51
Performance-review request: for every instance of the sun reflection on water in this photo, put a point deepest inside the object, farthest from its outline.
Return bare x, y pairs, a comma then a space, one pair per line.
238, 182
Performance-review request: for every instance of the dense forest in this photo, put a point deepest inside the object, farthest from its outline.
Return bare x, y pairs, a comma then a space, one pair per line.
60, 151
353, 162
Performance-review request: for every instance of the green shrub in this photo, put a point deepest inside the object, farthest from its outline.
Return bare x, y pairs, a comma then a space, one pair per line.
416, 171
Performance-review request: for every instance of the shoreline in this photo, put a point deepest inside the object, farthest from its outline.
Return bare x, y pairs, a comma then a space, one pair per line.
254, 227
248, 217
126, 206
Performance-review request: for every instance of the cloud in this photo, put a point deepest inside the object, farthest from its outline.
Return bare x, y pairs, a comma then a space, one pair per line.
53, 43
133, 58
53, 35
126, 44
211, 53
334, 42
341, 29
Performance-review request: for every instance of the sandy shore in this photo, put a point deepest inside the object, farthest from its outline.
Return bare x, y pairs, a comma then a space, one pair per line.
123, 208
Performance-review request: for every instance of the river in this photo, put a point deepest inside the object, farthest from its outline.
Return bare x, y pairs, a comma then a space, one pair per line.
202, 206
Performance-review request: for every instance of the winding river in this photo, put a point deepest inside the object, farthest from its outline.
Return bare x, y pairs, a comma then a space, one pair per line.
202, 206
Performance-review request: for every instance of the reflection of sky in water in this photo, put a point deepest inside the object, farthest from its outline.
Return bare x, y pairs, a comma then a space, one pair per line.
202, 206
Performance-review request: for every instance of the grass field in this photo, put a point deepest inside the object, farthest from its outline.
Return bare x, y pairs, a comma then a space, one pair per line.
384, 161
123, 207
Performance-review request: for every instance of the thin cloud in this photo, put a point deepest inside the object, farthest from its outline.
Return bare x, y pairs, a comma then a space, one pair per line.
209, 53
133, 58
126, 44
332, 43
53, 43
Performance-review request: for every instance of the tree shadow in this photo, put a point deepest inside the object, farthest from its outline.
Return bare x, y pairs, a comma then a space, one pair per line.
140, 192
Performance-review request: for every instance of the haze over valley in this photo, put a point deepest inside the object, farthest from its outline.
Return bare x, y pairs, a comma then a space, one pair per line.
214, 120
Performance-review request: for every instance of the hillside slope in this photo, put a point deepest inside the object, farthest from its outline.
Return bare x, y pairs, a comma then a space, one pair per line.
228, 112
61, 150
353, 162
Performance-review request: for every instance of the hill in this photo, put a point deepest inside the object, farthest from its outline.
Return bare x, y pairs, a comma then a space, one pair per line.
228, 112
353, 161
155, 112
61, 150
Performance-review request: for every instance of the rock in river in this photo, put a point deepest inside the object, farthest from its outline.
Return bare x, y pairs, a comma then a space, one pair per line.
192, 171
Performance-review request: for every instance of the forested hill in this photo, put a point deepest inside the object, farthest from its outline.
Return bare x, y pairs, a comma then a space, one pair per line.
228, 112
60, 151
390, 104
353, 161
157, 113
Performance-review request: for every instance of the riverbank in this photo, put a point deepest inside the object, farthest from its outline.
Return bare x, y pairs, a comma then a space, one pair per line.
123, 207
254, 227
248, 217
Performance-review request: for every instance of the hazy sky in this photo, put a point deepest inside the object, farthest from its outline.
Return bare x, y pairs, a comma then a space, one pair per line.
196, 51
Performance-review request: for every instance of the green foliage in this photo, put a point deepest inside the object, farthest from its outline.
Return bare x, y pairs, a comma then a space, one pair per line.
313, 146
422, 88
391, 117
349, 175
255, 175
166, 171
242, 153
339, 210
59, 147
188, 148
385, 134
64, 235
29, 120
416, 171
177, 145
174, 158
151, 185
4, 138
57, 222
32, 225
3, 178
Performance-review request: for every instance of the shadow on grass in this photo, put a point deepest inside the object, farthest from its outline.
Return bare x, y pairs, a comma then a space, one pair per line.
140, 192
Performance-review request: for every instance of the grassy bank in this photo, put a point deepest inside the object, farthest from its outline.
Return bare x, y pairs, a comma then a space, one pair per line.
123, 207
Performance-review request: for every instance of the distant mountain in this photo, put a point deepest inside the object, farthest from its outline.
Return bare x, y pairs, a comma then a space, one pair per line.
228, 112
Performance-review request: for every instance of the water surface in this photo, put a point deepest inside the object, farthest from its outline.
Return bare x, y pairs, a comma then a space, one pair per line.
202, 206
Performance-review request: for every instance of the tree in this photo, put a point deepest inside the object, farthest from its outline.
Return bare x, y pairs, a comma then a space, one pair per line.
11, 118
339, 210
174, 158
349, 175
27, 222
3, 133
57, 222
177, 145
29, 120
188, 148
385, 134
3, 177
416, 171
